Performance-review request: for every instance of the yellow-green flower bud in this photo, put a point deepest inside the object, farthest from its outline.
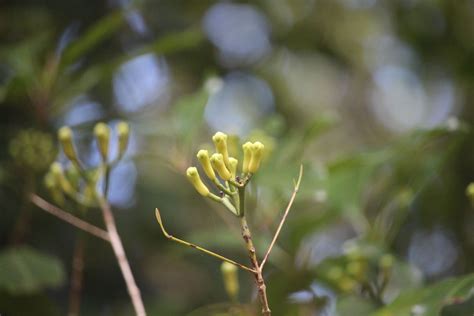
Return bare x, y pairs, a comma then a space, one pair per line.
386, 262
53, 188
195, 179
257, 152
356, 269
217, 162
57, 171
220, 141
73, 175
346, 284
231, 279
50, 181
203, 157
123, 131
233, 163
65, 138
102, 134
247, 148
470, 191
335, 274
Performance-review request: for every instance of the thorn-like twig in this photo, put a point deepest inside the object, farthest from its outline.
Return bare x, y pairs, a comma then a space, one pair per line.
208, 252
277, 233
69, 218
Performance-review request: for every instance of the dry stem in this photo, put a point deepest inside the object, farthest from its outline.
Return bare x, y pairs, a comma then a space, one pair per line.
69, 218
260, 282
122, 260
208, 252
277, 233
77, 276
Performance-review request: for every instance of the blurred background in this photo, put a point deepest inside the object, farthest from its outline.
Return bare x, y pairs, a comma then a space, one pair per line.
374, 97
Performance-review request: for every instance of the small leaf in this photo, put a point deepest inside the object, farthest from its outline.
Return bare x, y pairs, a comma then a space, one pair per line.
24, 271
430, 300
96, 34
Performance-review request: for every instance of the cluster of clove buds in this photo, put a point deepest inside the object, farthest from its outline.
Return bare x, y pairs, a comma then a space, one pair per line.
222, 171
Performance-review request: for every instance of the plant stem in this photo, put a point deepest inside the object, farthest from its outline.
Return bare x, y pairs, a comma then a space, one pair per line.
122, 260
77, 275
194, 246
69, 218
260, 282
283, 219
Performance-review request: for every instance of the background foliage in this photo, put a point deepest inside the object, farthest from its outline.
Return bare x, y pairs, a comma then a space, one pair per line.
374, 97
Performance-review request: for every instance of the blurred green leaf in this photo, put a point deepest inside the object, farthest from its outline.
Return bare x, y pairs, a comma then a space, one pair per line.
70, 86
189, 114
25, 270
354, 306
97, 33
429, 300
459, 308
347, 179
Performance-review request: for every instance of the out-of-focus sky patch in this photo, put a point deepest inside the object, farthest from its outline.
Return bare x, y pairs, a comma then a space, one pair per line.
141, 82
239, 31
311, 82
83, 110
401, 102
239, 105
123, 179
137, 22
321, 245
384, 49
317, 290
433, 252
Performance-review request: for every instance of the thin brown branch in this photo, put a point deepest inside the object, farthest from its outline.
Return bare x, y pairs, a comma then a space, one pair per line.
208, 252
277, 233
69, 218
77, 276
259, 280
122, 260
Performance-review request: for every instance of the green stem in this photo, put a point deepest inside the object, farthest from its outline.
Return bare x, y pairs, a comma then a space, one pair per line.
187, 243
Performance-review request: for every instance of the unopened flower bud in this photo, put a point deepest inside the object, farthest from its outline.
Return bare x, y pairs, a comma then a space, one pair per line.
123, 132
102, 134
53, 188
195, 179
233, 163
73, 175
335, 274
56, 170
257, 152
470, 191
220, 141
231, 279
203, 157
247, 148
217, 162
386, 262
347, 284
50, 181
356, 269
58, 174
65, 137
